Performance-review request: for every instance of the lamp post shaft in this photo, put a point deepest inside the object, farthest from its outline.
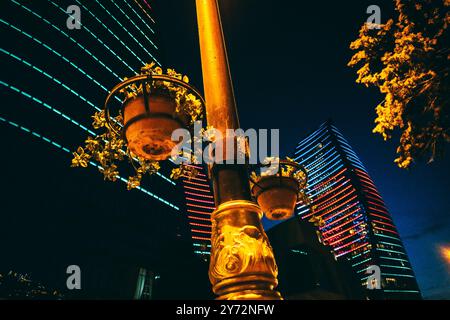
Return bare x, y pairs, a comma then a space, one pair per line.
242, 263
222, 113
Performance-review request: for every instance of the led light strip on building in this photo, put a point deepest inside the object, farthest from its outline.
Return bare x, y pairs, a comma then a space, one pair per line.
126, 31
98, 39
110, 31
68, 37
143, 10
65, 59
59, 146
58, 112
60, 83
200, 205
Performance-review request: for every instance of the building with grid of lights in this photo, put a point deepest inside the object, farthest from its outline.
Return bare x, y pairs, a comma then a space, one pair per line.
357, 224
199, 206
56, 78
69, 72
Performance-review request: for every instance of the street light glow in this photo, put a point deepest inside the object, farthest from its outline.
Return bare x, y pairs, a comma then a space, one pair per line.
444, 250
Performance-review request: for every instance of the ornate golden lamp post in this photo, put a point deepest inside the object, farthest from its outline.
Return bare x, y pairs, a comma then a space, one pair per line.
242, 262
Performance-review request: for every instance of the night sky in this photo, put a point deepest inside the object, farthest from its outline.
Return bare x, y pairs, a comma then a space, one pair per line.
288, 62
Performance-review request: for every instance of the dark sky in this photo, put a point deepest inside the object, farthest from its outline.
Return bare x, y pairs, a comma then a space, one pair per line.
288, 62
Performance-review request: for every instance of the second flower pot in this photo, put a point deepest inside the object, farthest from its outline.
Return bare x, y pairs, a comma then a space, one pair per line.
277, 196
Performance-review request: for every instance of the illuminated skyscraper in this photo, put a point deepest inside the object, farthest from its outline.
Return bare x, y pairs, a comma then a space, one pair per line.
358, 226
53, 79
59, 76
199, 206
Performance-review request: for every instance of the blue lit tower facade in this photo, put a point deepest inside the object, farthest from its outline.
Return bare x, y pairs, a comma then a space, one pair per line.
58, 77
358, 226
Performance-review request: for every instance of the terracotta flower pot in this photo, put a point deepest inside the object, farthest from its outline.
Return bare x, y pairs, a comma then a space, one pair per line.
277, 196
149, 133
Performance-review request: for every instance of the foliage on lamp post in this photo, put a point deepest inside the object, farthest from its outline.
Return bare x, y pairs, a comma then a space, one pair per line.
408, 60
110, 147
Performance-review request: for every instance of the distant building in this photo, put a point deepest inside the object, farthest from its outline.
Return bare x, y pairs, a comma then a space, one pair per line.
144, 285
358, 226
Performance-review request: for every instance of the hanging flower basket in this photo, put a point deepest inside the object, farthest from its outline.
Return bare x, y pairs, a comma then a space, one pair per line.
154, 105
277, 194
148, 132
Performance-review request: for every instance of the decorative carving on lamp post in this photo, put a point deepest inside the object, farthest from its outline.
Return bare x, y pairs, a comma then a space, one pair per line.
242, 262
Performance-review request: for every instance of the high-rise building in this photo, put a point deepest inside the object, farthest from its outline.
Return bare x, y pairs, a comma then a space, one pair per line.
358, 227
199, 206
60, 74
57, 69
357, 224
54, 76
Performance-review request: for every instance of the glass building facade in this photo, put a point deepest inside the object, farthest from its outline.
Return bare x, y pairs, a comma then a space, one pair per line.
58, 77
357, 224
358, 227
61, 76
53, 80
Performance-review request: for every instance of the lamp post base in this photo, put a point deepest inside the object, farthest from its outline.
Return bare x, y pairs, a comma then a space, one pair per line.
242, 263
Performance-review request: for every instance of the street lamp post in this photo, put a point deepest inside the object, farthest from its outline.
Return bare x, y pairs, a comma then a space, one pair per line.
242, 262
